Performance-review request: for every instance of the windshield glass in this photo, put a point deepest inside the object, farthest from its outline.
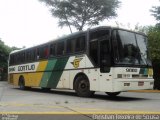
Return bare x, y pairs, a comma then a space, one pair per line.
130, 48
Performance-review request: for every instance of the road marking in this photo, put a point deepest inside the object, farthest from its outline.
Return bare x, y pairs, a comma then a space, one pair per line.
75, 113
78, 110
28, 105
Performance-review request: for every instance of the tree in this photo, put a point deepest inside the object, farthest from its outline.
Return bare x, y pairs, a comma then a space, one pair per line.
4, 53
79, 13
154, 43
156, 12
153, 33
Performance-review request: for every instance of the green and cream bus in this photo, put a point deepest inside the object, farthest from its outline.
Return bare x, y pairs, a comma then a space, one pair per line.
104, 59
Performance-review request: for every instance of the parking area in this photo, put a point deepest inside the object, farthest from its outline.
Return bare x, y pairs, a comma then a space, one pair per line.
35, 101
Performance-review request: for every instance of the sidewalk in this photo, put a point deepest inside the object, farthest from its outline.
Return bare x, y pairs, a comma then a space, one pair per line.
145, 91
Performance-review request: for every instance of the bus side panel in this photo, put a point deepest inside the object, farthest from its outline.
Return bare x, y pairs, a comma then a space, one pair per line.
15, 79
34, 79
106, 81
54, 70
92, 75
64, 80
48, 72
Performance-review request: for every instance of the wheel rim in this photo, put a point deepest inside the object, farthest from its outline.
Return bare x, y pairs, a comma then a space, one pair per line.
83, 86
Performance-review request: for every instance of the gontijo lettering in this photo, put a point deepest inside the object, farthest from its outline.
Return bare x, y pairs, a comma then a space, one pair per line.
12, 69
26, 67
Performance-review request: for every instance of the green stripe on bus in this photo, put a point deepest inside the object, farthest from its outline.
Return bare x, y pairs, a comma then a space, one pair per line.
57, 72
51, 79
47, 75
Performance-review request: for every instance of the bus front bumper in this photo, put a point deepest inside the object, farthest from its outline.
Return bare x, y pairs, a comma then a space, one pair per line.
125, 85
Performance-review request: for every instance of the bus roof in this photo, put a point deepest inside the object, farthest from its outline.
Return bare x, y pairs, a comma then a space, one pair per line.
75, 34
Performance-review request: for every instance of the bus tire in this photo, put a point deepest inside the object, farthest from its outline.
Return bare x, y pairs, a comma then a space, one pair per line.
113, 94
82, 87
21, 83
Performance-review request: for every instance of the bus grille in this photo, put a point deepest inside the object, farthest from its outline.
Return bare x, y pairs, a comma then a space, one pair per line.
140, 76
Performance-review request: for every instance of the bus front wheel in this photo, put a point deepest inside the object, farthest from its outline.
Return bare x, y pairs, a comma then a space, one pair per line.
113, 94
82, 87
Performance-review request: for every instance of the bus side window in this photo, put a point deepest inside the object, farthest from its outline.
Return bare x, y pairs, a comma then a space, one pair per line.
38, 55
14, 59
105, 57
33, 54
42, 52
70, 46
11, 60
94, 51
115, 46
22, 57
60, 48
18, 58
52, 50
80, 44
95, 36
28, 56
46, 52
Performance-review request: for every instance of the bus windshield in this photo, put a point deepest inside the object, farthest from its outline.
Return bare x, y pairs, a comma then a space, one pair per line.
130, 48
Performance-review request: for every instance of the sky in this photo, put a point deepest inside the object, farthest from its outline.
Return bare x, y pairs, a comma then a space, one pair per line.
29, 22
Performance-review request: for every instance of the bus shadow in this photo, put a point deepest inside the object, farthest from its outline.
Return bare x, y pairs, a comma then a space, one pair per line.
95, 96
118, 98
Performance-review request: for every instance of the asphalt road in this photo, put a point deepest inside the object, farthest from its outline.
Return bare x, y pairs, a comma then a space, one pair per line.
37, 104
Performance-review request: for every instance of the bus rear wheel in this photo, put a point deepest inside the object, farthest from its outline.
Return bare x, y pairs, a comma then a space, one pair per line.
113, 94
82, 87
22, 83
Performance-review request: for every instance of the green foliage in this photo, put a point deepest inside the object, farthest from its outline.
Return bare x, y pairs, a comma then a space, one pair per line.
79, 13
154, 42
156, 12
153, 33
154, 48
4, 53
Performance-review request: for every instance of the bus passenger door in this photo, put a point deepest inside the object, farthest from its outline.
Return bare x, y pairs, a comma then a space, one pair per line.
105, 64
